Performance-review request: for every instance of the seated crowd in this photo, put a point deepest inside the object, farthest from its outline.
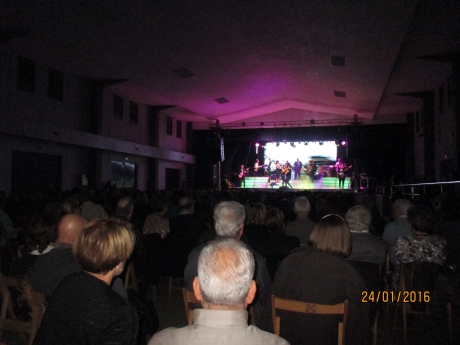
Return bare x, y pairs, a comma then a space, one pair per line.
234, 249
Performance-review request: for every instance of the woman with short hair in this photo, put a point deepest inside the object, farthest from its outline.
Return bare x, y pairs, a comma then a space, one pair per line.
319, 274
84, 309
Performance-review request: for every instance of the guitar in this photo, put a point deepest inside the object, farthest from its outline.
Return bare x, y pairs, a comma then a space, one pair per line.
343, 170
286, 169
241, 174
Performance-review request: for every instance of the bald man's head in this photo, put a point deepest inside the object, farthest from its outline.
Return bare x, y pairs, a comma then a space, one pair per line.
69, 227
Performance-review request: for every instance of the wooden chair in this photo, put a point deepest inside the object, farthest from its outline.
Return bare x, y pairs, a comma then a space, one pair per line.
189, 301
130, 277
310, 308
8, 320
178, 286
373, 278
406, 292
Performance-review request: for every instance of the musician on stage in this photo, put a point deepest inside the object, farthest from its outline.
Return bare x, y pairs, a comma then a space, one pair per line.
297, 168
286, 174
241, 176
277, 171
341, 168
311, 169
256, 168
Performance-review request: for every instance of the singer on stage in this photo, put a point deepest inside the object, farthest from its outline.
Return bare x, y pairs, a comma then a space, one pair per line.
286, 174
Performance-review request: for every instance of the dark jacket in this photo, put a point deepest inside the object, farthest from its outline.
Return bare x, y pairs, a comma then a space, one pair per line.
85, 310
312, 276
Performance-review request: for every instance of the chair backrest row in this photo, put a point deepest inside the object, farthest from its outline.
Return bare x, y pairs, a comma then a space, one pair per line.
284, 304
310, 308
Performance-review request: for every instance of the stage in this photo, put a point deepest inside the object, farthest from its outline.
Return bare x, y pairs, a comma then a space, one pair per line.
304, 183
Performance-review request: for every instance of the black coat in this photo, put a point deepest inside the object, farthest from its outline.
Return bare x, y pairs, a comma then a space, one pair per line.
85, 310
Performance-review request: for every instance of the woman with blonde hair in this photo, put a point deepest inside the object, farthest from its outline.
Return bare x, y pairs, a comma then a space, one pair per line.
84, 309
319, 274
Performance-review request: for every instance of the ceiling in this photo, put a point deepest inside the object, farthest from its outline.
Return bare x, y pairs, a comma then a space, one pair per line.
270, 59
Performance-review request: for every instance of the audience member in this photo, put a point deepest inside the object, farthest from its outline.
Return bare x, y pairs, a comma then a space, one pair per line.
302, 227
368, 252
225, 287
84, 309
51, 268
400, 226
321, 275
91, 210
420, 245
378, 223
229, 217
185, 230
40, 235
125, 208
156, 223
365, 246
69, 205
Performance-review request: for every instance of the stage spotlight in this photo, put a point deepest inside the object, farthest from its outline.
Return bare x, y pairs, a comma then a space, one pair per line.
277, 144
320, 143
305, 143
344, 143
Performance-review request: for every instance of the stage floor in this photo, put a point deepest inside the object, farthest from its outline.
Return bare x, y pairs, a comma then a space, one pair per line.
330, 183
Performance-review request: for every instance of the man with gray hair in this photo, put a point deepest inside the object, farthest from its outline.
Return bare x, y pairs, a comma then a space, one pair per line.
225, 287
229, 217
365, 246
400, 226
302, 227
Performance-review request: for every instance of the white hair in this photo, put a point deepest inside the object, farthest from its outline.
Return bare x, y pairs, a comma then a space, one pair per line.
401, 206
302, 204
225, 271
228, 217
358, 218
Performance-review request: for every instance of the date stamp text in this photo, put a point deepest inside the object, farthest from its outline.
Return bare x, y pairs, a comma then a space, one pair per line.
395, 297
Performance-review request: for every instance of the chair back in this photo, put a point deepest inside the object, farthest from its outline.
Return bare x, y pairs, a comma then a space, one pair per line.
310, 308
8, 320
415, 283
189, 301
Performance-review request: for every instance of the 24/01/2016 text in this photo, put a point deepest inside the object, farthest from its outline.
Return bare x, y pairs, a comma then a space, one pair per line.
391, 296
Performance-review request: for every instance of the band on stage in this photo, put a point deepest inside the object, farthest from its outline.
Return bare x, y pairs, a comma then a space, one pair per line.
278, 171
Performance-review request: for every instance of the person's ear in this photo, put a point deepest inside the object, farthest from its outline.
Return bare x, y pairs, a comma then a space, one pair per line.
196, 289
240, 233
251, 293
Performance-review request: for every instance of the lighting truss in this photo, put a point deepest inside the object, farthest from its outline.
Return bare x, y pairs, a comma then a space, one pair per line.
283, 124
